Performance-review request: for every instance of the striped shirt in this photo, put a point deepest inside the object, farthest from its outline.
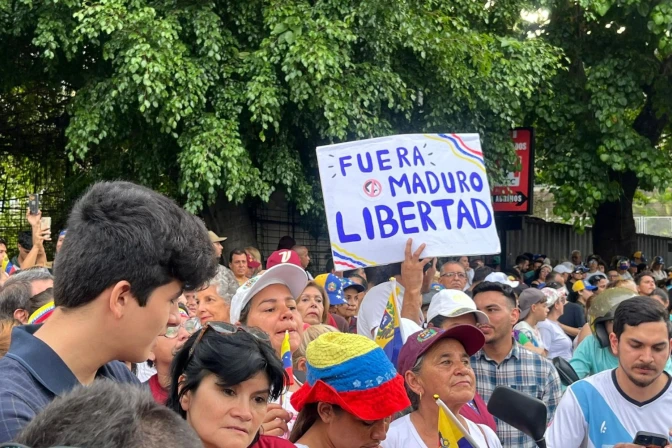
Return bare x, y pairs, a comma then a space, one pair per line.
524, 371
32, 375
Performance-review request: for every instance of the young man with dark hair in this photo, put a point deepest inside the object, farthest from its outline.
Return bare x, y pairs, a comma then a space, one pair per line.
504, 362
238, 265
610, 407
522, 264
108, 415
645, 282
128, 254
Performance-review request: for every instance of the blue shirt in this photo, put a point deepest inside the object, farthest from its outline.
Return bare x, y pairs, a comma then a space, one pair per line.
590, 358
33, 375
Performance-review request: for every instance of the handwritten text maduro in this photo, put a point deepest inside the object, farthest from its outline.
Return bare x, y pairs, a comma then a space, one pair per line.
444, 203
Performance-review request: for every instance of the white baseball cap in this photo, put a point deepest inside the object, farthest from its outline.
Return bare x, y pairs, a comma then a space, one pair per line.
292, 276
562, 269
453, 303
500, 277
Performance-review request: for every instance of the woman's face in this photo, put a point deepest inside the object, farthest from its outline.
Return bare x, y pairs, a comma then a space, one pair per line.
227, 416
192, 303
446, 371
544, 272
349, 310
311, 306
273, 310
212, 307
347, 431
165, 348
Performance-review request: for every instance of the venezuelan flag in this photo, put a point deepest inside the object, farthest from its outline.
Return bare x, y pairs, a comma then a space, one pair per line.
287, 358
450, 435
389, 336
8, 267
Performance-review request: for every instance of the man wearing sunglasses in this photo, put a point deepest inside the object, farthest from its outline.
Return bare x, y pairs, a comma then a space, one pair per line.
128, 255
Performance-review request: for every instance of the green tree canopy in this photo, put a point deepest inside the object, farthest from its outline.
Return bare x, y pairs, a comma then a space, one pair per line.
604, 125
198, 98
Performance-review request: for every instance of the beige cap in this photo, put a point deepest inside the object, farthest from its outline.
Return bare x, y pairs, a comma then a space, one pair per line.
214, 238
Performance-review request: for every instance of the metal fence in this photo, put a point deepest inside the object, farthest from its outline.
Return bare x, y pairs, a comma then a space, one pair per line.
13, 219
557, 241
278, 218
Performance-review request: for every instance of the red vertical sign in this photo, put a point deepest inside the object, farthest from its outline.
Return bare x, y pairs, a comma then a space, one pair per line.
516, 196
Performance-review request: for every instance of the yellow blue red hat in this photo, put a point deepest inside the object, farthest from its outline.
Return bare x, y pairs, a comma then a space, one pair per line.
352, 372
332, 285
41, 314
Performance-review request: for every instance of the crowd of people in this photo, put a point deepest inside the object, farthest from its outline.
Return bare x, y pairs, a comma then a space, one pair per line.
139, 333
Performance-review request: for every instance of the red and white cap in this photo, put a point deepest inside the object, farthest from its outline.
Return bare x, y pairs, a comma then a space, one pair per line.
293, 277
283, 256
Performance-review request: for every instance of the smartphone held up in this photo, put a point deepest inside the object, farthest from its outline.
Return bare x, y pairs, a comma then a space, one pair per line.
45, 227
34, 203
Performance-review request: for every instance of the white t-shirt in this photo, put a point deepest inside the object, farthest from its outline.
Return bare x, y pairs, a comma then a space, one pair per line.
595, 413
659, 275
402, 434
532, 333
626, 276
556, 341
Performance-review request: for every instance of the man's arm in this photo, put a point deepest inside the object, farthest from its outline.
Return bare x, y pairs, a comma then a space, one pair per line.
36, 256
567, 427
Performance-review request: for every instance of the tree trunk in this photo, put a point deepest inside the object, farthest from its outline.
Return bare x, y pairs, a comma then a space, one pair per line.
614, 232
231, 221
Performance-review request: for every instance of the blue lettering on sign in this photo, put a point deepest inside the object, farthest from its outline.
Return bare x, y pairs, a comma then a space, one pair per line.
344, 163
402, 154
383, 161
404, 217
430, 183
417, 157
369, 163
408, 217
387, 221
384, 164
417, 184
342, 236
425, 221
402, 182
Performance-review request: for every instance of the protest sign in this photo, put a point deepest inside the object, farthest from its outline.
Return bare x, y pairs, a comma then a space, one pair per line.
382, 191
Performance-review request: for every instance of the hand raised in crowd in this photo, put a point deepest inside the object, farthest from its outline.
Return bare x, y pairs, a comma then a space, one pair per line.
428, 278
412, 267
276, 420
39, 234
412, 276
33, 220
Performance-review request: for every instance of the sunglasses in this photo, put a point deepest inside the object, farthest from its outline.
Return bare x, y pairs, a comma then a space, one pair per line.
190, 325
225, 328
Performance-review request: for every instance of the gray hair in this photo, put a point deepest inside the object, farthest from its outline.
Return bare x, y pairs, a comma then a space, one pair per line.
14, 297
226, 284
30, 275
455, 263
108, 415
